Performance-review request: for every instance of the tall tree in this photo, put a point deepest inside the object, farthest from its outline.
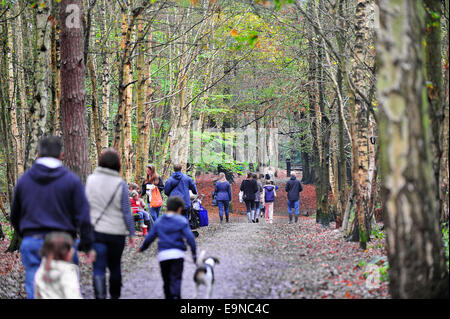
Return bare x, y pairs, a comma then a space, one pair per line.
73, 92
417, 266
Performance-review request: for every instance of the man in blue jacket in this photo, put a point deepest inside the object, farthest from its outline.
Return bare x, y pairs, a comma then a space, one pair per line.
179, 184
293, 189
48, 197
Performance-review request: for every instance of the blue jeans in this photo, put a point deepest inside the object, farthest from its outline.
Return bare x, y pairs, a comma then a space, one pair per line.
31, 260
255, 213
292, 204
250, 204
109, 250
223, 204
154, 211
143, 215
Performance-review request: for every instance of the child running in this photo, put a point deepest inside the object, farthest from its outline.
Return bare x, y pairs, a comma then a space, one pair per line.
171, 228
57, 277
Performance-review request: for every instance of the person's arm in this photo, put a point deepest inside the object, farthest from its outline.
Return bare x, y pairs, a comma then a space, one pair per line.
71, 286
229, 191
16, 210
301, 187
82, 217
192, 186
242, 186
187, 232
149, 239
160, 185
126, 210
144, 188
287, 188
168, 187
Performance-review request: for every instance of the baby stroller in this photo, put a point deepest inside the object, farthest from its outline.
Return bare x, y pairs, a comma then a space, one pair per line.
194, 218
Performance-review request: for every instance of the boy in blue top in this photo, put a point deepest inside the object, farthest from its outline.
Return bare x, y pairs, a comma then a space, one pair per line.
171, 228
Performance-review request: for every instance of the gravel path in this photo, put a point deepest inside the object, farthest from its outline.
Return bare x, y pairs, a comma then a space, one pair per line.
260, 261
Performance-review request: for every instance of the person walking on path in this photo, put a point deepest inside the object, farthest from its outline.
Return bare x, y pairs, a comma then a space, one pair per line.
57, 277
49, 197
179, 184
249, 187
269, 197
171, 229
111, 217
222, 190
255, 217
152, 185
293, 189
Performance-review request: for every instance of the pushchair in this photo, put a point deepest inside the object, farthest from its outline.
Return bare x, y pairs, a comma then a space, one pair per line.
194, 218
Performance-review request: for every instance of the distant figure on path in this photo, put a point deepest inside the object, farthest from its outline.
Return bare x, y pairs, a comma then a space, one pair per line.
223, 196
48, 197
249, 187
255, 217
171, 229
179, 184
112, 220
269, 197
293, 189
57, 277
152, 185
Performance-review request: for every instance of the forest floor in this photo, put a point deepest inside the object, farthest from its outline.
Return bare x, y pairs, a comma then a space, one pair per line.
302, 260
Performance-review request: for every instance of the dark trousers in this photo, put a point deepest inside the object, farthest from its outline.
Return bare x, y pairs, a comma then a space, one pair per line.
172, 271
109, 250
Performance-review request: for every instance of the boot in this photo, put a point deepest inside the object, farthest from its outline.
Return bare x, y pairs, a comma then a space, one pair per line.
249, 219
114, 288
100, 287
296, 218
290, 218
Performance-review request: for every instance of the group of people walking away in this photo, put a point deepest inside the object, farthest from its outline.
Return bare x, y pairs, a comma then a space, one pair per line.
58, 218
258, 199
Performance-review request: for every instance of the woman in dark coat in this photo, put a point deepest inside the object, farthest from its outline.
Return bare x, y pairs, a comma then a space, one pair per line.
250, 187
223, 196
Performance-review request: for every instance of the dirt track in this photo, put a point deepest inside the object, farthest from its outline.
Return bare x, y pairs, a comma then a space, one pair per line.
260, 261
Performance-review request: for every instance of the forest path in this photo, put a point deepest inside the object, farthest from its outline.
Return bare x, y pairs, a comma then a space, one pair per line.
259, 260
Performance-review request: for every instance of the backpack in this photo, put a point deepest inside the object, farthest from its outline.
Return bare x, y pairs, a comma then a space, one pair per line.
269, 192
156, 200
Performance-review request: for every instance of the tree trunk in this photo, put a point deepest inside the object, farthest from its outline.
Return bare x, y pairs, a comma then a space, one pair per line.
38, 111
417, 266
140, 99
73, 93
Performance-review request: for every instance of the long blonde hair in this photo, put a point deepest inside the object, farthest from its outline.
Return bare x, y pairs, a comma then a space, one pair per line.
222, 177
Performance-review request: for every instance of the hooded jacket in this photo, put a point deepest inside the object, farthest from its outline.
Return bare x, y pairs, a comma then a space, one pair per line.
51, 199
171, 229
60, 282
269, 193
179, 184
293, 189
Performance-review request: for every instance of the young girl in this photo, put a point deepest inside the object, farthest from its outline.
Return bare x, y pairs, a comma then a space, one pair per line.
138, 207
57, 277
269, 198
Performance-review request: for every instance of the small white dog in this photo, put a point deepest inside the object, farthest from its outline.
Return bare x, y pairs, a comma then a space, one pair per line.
204, 274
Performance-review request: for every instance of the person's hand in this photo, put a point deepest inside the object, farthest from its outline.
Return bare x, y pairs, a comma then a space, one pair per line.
132, 242
89, 257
